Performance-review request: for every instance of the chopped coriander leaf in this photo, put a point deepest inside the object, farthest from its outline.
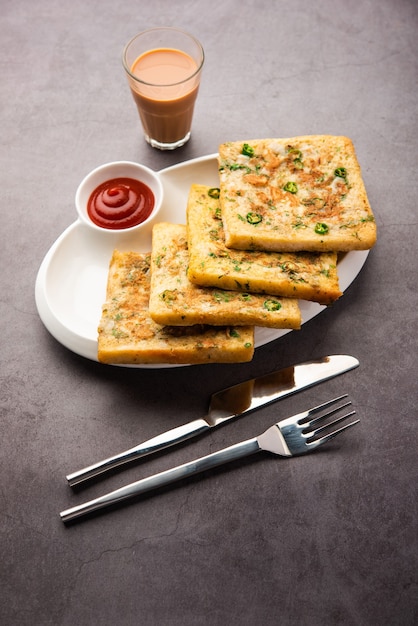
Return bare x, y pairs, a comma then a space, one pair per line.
238, 166
298, 224
296, 155
119, 334
295, 151
318, 203
222, 296
168, 295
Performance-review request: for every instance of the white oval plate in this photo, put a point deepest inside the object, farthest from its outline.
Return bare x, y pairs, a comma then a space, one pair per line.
71, 283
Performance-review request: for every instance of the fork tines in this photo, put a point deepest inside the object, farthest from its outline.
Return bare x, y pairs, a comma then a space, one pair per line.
321, 424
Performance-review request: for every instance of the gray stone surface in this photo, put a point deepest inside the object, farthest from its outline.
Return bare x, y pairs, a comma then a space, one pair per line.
328, 539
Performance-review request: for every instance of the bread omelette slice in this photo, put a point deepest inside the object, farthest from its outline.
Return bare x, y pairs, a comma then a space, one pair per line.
298, 194
128, 335
174, 300
301, 275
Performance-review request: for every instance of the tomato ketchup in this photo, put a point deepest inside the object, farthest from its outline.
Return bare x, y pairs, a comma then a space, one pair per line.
120, 203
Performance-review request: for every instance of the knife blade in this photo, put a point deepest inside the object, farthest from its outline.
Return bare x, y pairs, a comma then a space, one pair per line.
228, 404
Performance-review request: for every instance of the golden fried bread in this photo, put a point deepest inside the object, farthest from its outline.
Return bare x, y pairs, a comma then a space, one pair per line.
128, 335
298, 194
303, 275
174, 300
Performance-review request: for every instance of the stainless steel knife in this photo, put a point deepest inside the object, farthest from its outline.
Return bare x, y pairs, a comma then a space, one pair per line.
228, 404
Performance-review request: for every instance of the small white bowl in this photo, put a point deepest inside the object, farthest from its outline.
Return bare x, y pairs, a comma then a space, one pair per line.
110, 171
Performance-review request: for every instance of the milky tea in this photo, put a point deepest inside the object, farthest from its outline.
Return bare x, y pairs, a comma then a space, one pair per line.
163, 66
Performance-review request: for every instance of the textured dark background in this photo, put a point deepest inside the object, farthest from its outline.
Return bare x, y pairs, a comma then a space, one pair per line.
321, 540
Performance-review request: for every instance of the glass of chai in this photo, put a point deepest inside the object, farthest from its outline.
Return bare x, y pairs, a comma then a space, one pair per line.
163, 67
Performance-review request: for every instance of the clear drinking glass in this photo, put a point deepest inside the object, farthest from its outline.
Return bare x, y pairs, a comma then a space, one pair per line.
164, 67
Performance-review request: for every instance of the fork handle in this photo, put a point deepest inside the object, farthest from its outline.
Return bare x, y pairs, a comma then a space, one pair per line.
167, 477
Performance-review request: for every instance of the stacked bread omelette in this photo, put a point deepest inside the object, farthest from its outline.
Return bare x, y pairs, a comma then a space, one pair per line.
267, 237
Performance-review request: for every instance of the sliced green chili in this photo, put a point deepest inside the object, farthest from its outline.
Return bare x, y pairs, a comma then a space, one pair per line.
341, 172
247, 150
321, 228
291, 187
272, 305
254, 218
214, 192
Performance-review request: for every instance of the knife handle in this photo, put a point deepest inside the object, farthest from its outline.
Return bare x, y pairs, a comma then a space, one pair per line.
169, 438
226, 455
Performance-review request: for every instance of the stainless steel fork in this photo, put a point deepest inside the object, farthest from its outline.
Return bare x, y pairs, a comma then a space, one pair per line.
293, 436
